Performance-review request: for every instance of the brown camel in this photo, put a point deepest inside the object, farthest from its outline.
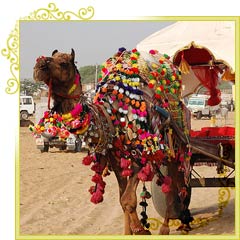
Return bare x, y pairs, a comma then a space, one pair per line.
135, 124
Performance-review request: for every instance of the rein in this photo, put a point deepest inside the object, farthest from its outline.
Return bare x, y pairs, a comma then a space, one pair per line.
49, 93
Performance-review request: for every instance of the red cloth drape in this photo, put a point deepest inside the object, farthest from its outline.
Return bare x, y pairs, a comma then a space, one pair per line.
208, 76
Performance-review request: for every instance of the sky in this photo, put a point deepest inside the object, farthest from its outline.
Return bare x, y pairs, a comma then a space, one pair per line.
93, 41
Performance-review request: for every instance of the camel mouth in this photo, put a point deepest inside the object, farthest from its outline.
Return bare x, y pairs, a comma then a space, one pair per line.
44, 68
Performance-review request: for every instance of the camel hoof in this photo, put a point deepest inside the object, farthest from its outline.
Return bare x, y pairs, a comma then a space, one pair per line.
143, 232
164, 230
184, 228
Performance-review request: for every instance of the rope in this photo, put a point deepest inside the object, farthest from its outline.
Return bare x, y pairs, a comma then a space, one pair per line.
49, 93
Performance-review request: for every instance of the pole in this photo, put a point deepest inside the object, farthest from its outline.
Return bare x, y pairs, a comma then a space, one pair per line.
96, 72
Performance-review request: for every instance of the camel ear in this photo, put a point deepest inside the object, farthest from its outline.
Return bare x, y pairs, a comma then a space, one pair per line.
73, 54
55, 51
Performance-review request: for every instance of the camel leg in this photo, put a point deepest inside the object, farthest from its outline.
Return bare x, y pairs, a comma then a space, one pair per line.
129, 204
122, 183
165, 230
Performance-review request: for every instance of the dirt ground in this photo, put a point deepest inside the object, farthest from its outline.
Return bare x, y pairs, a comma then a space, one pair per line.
54, 197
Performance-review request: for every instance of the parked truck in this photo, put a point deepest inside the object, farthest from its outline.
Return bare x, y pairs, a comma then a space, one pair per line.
199, 107
27, 107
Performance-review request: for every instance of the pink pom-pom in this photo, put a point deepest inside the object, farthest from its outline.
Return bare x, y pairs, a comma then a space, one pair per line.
153, 52
125, 163
120, 104
127, 172
189, 154
143, 160
146, 173
116, 122
76, 111
46, 114
52, 131
142, 176
181, 159
147, 169
76, 123
113, 98
134, 111
167, 180
165, 188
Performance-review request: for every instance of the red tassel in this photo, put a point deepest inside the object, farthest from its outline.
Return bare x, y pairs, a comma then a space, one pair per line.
127, 172
97, 178
97, 197
167, 181
142, 176
97, 167
92, 189
125, 163
165, 188
87, 160
146, 173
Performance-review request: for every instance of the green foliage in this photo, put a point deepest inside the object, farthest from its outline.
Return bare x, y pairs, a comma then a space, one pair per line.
29, 87
225, 85
88, 73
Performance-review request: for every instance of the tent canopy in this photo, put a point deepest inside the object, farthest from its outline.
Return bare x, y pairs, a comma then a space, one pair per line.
203, 49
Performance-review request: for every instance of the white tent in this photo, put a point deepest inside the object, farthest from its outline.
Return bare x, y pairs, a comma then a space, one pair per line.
218, 37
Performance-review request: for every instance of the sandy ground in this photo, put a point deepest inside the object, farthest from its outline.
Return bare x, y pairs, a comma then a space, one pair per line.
54, 197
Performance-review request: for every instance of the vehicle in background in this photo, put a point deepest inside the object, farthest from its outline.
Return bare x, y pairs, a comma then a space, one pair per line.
199, 107
45, 141
228, 104
27, 107
72, 143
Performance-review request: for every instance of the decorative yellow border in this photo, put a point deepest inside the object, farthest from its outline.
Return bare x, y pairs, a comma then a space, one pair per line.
52, 13
12, 54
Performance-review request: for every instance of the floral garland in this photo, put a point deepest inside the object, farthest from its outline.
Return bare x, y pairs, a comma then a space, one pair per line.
53, 124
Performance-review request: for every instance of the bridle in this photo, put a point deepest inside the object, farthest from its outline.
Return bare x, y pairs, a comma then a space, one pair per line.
69, 94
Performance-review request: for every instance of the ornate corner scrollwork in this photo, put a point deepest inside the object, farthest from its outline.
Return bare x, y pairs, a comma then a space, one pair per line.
224, 196
53, 13
11, 52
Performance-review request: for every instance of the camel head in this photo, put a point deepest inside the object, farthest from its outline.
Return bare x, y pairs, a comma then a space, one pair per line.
59, 68
62, 77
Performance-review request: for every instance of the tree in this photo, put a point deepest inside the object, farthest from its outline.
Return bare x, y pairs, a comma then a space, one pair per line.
88, 73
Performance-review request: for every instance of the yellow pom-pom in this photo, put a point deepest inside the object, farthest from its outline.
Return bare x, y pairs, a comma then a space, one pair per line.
119, 66
154, 66
135, 65
172, 90
66, 116
152, 81
155, 139
111, 76
117, 78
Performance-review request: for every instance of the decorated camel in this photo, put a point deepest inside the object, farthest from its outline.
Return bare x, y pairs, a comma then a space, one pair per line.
135, 124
